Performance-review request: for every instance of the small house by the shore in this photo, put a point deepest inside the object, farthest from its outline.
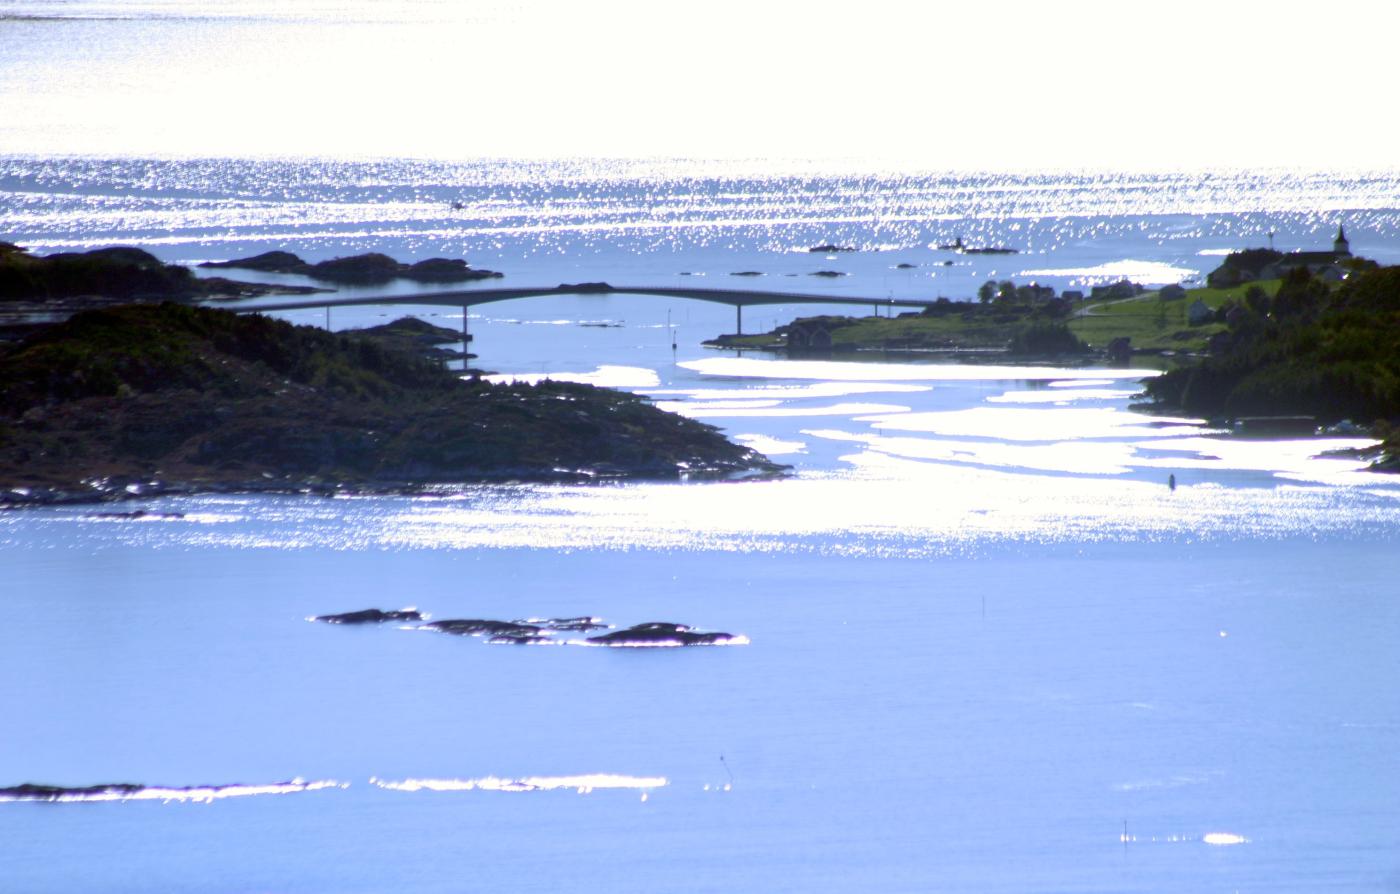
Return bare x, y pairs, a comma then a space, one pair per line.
809, 335
1199, 313
1120, 349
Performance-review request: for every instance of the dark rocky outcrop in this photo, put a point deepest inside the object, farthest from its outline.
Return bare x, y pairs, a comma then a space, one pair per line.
662, 633
829, 248
547, 631
371, 616
584, 288
267, 262
121, 791
445, 270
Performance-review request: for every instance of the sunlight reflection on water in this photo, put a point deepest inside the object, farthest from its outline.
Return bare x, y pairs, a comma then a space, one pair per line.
886, 505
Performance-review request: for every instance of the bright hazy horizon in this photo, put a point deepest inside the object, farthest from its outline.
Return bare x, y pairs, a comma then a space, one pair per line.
1015, 85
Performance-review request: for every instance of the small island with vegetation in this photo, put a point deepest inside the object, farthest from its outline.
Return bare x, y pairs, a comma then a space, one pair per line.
72, 280
373, 268
168, 398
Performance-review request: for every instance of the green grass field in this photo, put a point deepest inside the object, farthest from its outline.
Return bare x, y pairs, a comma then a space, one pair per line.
1154, 324
1151, 323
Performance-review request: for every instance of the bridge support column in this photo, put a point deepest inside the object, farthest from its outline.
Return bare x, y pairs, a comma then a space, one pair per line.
466, 337
739, 319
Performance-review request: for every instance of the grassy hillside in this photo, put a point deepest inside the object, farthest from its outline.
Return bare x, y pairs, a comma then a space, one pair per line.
1309, 350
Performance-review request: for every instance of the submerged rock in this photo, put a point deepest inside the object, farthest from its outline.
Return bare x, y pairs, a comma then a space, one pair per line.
524, 639
138, 514
371, 616
478, 626
125, 791
32, 792
568, 624
546, 632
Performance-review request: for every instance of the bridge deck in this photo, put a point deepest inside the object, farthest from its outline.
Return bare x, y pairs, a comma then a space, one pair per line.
470, 297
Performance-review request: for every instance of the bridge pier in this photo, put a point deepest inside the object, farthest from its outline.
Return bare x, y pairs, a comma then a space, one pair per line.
738, 319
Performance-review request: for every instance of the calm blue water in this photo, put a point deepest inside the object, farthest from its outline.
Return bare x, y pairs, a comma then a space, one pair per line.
984, 635
985, 638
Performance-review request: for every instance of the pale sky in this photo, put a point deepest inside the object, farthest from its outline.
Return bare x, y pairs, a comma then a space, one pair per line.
989, 85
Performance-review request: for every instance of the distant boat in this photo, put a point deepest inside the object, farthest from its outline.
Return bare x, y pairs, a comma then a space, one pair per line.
958, 246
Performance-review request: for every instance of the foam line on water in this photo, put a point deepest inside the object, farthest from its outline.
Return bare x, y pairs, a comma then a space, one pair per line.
583, 783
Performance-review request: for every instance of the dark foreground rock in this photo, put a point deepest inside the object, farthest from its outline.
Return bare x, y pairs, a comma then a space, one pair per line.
370, 616
149, 399
413, 335
366, 269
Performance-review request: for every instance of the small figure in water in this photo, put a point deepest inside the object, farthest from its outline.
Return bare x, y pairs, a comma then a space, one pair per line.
1171, 481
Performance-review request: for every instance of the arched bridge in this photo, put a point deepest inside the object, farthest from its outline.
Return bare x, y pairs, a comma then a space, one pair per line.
739, 298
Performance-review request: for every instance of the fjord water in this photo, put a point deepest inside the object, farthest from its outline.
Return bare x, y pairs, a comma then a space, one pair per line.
987, 642
984, 636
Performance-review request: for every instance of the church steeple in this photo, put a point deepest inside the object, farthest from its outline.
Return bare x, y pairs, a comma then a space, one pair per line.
1340, 246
